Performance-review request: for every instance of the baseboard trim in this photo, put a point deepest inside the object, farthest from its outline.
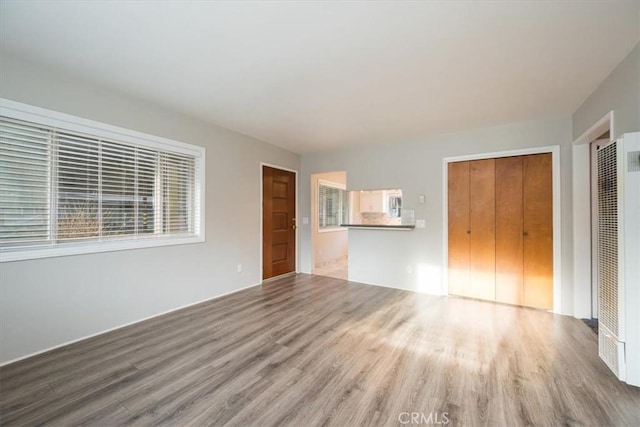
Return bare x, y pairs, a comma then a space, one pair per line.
66, 343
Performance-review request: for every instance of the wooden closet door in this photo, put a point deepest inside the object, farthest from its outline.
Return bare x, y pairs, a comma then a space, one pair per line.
538, 231
509, 231
458, 227
482, 220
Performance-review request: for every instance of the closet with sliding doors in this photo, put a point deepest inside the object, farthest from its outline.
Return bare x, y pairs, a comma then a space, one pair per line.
500, 230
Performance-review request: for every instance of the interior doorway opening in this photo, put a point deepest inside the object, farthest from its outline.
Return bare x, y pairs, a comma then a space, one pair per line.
330, 209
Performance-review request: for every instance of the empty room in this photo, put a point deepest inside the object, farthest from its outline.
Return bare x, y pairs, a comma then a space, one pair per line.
341, 213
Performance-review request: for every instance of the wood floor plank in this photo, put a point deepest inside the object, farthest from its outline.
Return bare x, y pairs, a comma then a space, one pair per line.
312, 350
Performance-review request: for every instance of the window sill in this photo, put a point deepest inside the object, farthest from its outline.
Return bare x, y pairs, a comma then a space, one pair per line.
89, 248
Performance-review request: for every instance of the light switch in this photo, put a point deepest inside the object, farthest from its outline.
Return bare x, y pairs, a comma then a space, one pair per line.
420, 223
305, 220
421, 198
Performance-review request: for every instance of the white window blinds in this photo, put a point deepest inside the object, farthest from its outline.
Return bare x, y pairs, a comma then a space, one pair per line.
332, 206
25, 194
59, 187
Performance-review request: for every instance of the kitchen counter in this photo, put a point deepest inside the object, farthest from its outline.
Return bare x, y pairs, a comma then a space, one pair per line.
379, 226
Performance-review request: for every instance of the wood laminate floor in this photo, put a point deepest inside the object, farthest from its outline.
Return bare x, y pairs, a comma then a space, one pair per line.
311, 350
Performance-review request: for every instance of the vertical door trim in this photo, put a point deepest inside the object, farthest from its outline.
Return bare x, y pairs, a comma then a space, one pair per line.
260, 264
593, 202
557, 213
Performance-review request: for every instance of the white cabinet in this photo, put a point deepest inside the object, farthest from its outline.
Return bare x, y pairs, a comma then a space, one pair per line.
372, 201
379, 200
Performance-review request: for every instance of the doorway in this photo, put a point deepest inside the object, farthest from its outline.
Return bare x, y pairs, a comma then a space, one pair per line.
330, 208
278, 222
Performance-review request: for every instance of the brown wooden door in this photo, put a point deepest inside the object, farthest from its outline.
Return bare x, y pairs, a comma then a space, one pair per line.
509, 231
458, 219
482, 222
538, 231
278, 222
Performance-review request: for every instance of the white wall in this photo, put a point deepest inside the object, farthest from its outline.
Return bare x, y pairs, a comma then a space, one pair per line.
619, 92
328, 246
47, 302
382, 256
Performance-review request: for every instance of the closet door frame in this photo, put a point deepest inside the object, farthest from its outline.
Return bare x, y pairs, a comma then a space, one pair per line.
557, 231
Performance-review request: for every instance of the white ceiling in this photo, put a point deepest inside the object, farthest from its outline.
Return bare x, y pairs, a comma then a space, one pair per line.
316, 75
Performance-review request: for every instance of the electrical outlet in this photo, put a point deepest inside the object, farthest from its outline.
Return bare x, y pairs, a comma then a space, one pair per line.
239, 268
420, 223
409, 269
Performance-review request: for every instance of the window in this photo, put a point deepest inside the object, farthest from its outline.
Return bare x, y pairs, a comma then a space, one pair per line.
70, 186
333, 206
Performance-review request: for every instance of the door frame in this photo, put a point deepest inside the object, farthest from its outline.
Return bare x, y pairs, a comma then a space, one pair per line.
557, 214
315, 186
582, 255
260, 263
